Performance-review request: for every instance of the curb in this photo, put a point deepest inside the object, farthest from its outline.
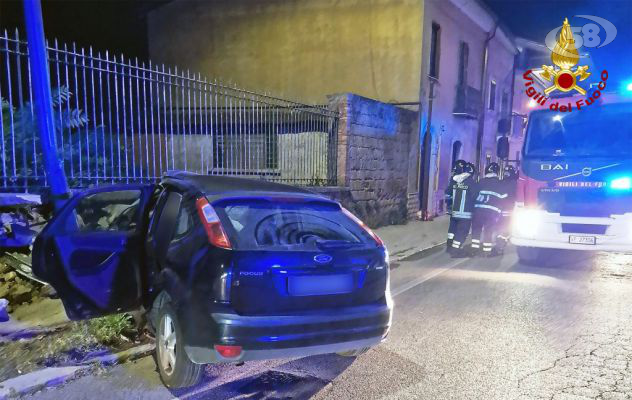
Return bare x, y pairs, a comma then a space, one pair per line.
418, 252
55, 376
121, 357
47, 377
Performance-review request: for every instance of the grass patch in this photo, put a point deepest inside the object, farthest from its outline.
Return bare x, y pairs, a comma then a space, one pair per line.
110, 329
67, 346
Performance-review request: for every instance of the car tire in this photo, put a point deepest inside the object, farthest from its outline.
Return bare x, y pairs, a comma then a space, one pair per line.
175, 368
529, 255
353, 353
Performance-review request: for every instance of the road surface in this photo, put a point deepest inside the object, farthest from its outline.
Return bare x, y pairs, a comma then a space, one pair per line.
462, 329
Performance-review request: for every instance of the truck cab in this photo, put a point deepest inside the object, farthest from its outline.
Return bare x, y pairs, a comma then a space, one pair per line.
575, 188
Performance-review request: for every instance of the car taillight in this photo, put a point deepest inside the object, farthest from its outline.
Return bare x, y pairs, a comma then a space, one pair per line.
228, 351
212, 225
364, 226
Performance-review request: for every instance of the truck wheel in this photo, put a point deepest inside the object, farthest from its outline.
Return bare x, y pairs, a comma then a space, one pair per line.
175, 367
529, 255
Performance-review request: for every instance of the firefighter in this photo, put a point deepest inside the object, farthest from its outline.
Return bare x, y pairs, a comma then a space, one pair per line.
461, 185
510, 179
458, 168
491, 194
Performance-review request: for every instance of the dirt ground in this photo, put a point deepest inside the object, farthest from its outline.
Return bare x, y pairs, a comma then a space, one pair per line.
40, 335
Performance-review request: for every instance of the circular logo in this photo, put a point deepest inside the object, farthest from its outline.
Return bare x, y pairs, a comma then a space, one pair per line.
323, 258
565, 81
586, 171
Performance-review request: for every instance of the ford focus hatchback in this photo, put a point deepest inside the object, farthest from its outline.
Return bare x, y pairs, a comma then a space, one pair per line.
228, 269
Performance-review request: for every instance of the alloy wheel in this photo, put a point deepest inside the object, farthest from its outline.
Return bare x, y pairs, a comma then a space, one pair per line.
167, 342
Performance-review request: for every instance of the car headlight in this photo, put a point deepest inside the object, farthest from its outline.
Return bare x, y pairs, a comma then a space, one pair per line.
526, 222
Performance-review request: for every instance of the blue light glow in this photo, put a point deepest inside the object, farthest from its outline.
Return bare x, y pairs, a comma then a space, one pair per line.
623, 183
629, 87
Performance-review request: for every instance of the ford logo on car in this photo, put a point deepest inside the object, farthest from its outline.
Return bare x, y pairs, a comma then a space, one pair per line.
323, 258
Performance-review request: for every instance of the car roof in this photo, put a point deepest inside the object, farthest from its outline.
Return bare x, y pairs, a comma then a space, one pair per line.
228, 186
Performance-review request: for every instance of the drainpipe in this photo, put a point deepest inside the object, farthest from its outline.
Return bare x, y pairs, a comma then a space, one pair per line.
426, 154
481, 117
43, 103
511, 102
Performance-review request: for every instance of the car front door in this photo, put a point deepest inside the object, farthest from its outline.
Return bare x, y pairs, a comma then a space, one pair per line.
91, 251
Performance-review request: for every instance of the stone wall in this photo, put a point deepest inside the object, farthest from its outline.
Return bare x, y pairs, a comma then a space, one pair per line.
373, 148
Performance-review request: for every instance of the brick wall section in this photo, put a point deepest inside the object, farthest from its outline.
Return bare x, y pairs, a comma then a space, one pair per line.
373, 148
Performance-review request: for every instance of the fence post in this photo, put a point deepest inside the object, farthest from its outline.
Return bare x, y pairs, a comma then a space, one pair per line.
43, 102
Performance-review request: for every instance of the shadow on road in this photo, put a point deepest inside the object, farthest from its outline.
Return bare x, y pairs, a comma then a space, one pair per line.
295, 379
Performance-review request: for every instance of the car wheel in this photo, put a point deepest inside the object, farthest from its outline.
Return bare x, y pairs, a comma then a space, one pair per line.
353, 353
175, 367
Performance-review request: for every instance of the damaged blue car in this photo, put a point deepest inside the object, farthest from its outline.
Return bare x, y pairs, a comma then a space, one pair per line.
226, 269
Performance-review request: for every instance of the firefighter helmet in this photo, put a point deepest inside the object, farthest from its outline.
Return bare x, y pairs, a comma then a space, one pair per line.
459, 167
492, 168
510, 172
469, 167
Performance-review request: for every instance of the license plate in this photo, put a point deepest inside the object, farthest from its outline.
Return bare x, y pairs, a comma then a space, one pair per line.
582, 239
318, 285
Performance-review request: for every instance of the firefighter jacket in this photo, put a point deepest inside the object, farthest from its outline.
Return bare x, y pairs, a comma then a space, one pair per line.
461, 192
491, 194
510, 187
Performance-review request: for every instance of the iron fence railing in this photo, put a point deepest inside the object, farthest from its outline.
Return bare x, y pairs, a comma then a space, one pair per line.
121, 120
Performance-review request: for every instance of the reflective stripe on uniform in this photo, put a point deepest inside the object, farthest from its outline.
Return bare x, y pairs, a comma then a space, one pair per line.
456, 244
462, 215
450, 235
498, 210
476, 245
490, 193
487, 249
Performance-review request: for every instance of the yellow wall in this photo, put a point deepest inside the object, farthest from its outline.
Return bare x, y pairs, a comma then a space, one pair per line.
296, 49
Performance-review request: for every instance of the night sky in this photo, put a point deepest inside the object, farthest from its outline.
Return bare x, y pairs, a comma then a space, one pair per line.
533, 19
117, 25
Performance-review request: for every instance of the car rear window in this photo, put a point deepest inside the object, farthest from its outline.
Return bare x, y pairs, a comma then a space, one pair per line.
287, 224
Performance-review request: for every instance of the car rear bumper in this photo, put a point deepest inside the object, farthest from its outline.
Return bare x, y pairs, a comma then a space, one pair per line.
546, 230
283, 336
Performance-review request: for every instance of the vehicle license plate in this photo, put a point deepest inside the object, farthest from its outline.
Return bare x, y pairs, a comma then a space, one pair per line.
314, 285
582, 239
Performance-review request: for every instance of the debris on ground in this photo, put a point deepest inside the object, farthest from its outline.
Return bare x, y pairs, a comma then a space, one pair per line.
71, 344
4, 314
16, 286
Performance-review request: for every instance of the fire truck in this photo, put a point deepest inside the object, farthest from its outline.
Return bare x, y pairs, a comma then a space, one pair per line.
575, 186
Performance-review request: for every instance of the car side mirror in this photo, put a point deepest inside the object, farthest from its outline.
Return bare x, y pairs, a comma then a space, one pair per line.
502, 148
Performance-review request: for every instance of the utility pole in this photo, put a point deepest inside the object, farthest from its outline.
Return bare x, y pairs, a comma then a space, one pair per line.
43, 103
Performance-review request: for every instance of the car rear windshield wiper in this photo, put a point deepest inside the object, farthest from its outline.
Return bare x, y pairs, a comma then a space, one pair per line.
336, 244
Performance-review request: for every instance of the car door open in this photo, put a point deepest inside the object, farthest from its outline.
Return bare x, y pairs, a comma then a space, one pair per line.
91, 251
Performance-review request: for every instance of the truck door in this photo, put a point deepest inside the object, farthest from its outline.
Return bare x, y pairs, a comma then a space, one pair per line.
91, 251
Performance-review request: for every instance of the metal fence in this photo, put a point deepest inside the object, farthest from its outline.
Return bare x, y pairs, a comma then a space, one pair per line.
121, 120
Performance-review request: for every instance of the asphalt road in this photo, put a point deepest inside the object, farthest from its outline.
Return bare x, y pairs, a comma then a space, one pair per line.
462, 329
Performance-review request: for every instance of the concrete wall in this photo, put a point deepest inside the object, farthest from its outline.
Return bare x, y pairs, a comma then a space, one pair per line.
445, 127
373, 144
301, 49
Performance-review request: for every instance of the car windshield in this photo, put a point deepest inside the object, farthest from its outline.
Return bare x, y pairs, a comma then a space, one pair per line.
596, 131
287, 224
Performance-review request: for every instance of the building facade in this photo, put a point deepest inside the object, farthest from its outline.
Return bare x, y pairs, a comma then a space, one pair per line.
466, 89
446, 62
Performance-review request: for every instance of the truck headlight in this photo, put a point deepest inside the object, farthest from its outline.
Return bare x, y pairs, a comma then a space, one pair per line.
526, 222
